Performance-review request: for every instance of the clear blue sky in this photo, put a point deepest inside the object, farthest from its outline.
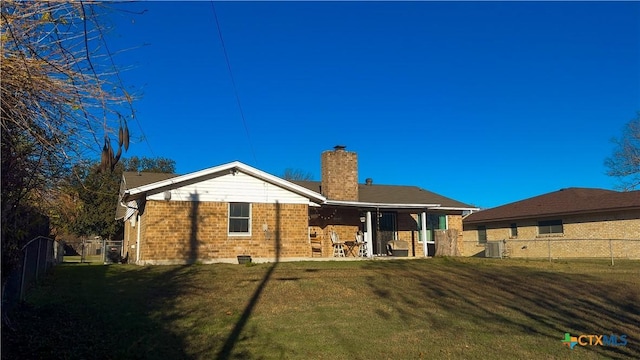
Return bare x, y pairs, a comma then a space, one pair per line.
483, 102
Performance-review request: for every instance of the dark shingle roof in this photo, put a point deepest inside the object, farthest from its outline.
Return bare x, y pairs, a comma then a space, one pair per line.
133, 179
393, 194
562, 202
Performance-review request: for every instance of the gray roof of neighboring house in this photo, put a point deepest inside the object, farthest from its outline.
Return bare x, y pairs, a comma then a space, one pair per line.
133, 179
393, 194
562, 202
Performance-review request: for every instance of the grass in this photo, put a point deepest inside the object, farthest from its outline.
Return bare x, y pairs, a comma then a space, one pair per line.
405, 309
98, 259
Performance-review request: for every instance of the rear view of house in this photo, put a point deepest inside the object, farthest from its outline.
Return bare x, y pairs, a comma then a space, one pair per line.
220, 213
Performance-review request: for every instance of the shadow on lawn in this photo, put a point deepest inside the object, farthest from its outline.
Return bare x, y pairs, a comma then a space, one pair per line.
113, 312
234, 336
127, 312
510, 299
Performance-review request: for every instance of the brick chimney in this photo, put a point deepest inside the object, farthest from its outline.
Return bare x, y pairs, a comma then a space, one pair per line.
340, 174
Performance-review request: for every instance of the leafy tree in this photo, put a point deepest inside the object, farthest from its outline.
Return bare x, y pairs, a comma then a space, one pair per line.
86, 203
296, 174
159, 164
624, 163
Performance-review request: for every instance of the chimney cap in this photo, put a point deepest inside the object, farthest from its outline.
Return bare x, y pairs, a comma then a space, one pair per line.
368, 181
339, 147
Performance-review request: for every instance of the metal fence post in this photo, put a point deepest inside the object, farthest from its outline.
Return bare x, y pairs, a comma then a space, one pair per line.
38, 260
549, 247
24, 268
611, 251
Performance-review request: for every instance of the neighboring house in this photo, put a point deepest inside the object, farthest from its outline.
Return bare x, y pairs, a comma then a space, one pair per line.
573, 222
217, 214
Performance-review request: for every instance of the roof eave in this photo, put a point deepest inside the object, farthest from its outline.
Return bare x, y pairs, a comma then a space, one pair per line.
546, 215
379, 205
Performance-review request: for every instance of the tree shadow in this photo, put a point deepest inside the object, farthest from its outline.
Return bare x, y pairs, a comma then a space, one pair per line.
114, 311
513, 299
192, 254
227, 350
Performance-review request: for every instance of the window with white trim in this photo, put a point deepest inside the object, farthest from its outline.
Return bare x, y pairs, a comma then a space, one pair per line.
239, 219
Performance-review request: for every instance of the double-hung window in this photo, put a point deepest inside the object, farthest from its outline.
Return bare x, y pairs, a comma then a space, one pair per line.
239, 219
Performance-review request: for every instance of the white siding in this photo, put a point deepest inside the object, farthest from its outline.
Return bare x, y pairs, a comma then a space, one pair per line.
233, 188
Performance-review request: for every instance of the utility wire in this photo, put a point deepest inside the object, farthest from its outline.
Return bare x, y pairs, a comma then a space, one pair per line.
121, 84
233, 83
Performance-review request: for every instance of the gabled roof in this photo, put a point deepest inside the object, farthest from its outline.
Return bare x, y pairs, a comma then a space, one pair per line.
411, 196
132, 179
136, 185
132, 192
563, 202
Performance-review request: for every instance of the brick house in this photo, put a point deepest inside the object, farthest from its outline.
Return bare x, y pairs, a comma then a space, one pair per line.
569, 223
216, 214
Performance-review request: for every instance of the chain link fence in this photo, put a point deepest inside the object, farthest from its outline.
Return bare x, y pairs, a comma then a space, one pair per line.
37, 257
563, 248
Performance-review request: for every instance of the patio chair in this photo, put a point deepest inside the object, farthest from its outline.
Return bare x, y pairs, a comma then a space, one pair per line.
338, 250
362, 245
316, 245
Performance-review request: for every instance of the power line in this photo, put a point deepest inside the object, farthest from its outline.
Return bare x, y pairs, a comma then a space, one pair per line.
233, 83
127, 96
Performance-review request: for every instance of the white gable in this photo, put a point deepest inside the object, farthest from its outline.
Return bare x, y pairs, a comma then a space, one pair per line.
240, 187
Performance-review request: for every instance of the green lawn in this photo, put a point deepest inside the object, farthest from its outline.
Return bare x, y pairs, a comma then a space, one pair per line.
404, 309
88, 259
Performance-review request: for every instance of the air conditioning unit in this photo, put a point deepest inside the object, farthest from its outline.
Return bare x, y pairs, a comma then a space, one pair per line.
494, 249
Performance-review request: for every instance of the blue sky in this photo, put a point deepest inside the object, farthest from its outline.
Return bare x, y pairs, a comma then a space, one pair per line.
483, 102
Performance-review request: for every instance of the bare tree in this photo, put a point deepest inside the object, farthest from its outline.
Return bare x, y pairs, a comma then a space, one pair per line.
296, 174
624, 163
62, 97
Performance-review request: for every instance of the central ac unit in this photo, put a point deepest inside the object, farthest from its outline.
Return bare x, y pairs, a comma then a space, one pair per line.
494, 249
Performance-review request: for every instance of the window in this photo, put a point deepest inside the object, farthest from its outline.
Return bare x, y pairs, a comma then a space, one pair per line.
514, 230
434, 222
550, 227
239, 219
482, 234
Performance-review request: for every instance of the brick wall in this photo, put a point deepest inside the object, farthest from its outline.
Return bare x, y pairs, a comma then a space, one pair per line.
583, 236
179, 232
128, 251
339, 175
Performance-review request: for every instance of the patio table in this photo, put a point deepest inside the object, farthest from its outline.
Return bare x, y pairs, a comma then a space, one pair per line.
351, 246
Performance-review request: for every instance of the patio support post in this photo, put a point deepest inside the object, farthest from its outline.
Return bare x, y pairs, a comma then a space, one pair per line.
423, 233
368, 237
